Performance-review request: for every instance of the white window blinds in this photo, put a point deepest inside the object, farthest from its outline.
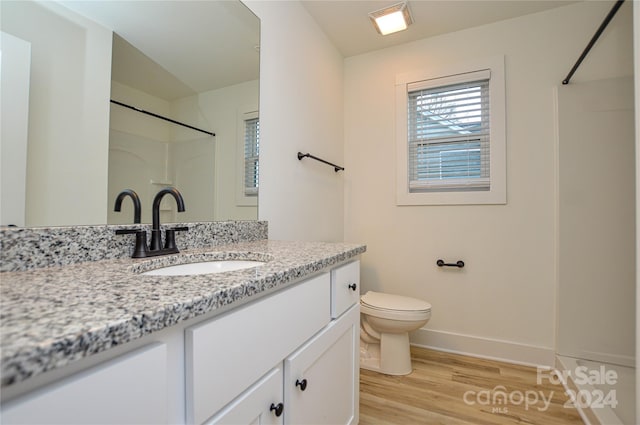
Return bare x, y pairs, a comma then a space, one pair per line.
448, 133
251, 149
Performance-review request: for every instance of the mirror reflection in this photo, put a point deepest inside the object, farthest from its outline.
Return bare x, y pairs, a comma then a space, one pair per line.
193, 62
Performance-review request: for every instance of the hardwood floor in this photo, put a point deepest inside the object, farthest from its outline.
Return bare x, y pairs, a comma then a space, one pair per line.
452, 389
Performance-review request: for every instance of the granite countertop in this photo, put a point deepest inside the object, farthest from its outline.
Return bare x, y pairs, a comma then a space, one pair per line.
50, 317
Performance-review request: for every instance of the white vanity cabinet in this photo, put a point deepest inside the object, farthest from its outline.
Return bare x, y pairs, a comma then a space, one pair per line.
312, 342
130, 389
287, 357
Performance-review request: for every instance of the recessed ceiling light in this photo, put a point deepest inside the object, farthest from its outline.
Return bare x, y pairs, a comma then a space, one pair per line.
391, 19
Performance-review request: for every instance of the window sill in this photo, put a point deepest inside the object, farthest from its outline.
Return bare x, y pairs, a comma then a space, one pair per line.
486, 197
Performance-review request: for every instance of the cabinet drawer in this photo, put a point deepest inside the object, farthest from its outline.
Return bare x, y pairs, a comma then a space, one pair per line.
227, 354
345, 287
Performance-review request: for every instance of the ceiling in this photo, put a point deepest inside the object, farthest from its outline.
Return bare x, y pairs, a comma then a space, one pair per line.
200, 45
131, 67
346, 22
192, 40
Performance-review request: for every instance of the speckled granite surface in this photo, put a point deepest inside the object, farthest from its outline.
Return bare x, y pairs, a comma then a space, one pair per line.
29, 248
50, 317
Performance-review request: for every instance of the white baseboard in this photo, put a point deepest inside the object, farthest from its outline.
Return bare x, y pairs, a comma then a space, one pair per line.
612, 358
493, 349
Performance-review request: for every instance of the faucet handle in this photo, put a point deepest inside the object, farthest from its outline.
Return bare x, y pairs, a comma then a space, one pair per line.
140, 250
126, 231
170, 237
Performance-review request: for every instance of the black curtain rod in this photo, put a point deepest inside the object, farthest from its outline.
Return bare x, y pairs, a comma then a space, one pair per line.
595, 37
162, 118
308, 155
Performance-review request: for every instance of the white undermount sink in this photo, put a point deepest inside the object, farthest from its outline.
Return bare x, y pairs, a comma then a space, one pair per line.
205, 267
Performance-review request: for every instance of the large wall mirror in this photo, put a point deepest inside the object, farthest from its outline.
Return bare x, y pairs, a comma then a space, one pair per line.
194, 62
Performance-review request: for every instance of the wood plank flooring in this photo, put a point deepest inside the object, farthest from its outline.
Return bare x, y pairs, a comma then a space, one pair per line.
452, 389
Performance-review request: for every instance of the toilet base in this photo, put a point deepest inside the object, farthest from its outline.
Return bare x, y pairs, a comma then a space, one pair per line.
391, 356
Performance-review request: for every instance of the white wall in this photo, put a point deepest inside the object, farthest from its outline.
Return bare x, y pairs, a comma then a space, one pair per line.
16, 64
506, 294
68, 123
596, 222
301, 82
218, 111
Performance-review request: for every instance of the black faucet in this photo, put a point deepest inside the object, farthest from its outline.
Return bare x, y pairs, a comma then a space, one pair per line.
136, 203
155, 248
156, 235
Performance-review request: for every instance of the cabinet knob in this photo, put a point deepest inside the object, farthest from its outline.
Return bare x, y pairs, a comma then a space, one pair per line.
353, 286
277, 409
302, 384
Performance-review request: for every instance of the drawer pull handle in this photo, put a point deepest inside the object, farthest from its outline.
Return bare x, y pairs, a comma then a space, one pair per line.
353, 286
302, 384
278, 409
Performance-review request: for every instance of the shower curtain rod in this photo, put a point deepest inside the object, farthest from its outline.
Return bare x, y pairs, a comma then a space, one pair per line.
162, 118
595, 37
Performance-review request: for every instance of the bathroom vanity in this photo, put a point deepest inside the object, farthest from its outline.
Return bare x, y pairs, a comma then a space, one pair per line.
100, 342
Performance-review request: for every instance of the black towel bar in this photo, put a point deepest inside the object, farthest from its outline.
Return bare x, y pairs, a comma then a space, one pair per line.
308, 155
458, 263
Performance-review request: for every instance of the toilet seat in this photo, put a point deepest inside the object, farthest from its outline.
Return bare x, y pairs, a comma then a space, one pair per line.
394, 307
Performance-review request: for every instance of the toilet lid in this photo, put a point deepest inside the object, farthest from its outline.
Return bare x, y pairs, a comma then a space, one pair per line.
382, 301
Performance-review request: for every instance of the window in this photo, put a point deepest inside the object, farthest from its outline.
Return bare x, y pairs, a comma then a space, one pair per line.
247, 154
448, 140
251, 149
450, 136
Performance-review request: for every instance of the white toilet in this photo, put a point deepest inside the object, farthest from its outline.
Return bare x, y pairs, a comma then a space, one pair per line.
385, 323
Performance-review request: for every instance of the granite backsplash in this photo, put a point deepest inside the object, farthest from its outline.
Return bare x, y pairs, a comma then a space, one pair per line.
24, 249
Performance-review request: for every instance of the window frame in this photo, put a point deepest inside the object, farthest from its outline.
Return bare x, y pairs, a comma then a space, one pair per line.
443, 76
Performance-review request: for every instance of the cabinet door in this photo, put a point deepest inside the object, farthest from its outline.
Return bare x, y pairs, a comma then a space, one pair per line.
322, 377
256, 406
131, 389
